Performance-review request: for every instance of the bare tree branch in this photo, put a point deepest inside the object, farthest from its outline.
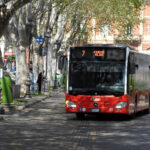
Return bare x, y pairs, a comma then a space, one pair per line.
6, 14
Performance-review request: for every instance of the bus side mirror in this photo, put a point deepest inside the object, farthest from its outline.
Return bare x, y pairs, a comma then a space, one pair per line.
136, 66
132, 68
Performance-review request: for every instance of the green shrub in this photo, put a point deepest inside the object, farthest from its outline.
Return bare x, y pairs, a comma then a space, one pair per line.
64, 80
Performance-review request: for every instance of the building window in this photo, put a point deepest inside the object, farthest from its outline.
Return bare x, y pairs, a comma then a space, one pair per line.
105, 30
129, 30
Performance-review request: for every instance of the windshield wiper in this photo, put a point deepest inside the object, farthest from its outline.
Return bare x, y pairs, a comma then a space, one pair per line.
109, 91
96, 91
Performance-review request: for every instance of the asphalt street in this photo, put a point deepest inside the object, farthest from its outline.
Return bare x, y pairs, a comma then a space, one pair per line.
46, 126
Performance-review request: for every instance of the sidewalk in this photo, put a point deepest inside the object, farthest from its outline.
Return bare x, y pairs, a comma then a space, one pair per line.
10, 109
24, 103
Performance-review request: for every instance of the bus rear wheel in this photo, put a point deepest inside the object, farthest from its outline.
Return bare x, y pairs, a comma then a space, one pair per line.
149, 107
148, 110
80, 115
133, 115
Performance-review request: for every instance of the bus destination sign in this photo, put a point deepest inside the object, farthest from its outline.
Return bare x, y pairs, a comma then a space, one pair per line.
96, 53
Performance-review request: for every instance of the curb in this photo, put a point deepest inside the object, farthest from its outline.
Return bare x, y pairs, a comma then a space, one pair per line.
32, 103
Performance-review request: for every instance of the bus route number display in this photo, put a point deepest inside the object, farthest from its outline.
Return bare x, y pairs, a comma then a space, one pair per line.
96, 53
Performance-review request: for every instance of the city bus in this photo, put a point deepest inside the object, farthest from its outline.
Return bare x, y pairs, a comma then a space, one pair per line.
107, 78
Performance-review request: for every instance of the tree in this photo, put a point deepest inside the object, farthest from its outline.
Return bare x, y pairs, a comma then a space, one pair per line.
121, 15
19, 33
7, 10
68, 22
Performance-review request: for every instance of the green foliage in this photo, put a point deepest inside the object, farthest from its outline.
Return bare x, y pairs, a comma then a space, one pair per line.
41, 94
50, 89
18, 102
11, 58
119, 14
32, 94
15, 101
22, 94
37, 94
64, 80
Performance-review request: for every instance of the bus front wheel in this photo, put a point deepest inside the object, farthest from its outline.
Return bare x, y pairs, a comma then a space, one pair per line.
148, 110
149, 107
80, 115
133, 115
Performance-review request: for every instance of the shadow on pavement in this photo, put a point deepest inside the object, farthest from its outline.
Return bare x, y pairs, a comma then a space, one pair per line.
109, 117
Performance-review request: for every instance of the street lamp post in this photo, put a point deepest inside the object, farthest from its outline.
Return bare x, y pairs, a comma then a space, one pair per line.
46, 37
55, 78
29, 27
56, 44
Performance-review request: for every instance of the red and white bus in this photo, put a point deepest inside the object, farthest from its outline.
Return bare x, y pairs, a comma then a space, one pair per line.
107, 78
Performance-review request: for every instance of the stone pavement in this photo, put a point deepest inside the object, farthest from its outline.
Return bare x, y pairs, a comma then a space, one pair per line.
47, 126
11, 109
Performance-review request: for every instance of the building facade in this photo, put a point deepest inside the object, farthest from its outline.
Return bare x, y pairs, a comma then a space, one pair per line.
141, 33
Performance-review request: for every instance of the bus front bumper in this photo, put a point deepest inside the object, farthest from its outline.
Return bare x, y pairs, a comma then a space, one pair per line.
97, 104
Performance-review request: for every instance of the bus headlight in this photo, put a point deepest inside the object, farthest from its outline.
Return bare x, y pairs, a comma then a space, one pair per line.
71, 104
121, 105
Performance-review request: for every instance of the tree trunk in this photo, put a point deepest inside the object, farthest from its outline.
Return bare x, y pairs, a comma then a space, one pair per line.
37, 63
50, 65
7, 14
21, 71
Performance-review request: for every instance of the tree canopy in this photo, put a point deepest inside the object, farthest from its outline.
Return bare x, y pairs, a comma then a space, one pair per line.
118, 13
61, 21
7, 10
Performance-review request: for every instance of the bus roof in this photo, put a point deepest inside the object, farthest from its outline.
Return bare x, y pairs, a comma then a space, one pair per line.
107, 45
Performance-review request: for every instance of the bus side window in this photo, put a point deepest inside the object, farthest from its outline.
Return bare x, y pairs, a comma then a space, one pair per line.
132, 66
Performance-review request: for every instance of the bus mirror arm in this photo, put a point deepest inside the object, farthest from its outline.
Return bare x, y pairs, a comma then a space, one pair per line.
149, 67
132, 68
137, 66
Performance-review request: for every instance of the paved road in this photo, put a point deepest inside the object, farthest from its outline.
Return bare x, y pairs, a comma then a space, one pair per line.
46, 126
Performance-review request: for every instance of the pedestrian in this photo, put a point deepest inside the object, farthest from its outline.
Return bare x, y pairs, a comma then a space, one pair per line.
39, 82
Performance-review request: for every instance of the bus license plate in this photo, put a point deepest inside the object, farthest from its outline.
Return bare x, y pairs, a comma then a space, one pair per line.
95, 110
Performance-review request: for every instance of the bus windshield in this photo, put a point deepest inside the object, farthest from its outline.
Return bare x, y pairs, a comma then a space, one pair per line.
97, 78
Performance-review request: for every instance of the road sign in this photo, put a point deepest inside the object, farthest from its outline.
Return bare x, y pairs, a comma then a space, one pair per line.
39, 40
8, 53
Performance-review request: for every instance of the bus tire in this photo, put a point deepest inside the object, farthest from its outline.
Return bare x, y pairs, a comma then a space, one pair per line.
80, 115
133, 115
149, 106
2, 111
135, 108
148, 110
